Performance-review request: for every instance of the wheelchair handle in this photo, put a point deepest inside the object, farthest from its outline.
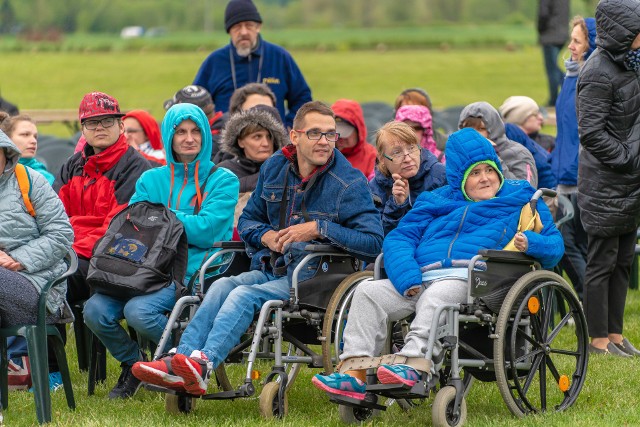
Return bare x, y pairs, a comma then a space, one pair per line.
328, 249
229, 245
543, 192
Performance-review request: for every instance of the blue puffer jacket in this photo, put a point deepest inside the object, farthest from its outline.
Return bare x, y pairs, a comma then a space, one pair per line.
339, 201
546, 178
443, 226
214, 222
430, 176
564, 158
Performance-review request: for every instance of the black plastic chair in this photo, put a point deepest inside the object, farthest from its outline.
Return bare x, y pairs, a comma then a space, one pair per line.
36, 336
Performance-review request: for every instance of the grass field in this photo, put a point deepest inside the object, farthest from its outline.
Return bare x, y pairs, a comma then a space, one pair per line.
145, 79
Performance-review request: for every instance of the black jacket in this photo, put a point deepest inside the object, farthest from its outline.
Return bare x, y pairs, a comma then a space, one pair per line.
608, 107
553, 22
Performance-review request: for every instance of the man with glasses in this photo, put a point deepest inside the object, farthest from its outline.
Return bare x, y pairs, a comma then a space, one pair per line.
97, 182
250, 59
353, 136
307, 192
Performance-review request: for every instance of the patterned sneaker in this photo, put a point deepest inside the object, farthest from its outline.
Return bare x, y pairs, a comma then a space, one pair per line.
195, 370
398, 374
341, 384
159, 372
55, 382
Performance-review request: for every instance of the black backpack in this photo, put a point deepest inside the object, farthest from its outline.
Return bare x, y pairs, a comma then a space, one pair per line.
144, 250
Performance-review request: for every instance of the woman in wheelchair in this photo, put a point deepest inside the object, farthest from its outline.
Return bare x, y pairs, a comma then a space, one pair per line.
426, 260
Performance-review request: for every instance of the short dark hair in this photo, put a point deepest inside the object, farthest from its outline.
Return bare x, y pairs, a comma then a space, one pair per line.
241, 94
311, 107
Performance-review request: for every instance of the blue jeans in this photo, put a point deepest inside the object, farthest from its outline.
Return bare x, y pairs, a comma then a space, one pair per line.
146, 314
227, 311
555, 76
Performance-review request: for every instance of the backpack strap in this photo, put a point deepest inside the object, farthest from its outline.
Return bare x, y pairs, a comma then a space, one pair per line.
24, 182
180, 265
213, 170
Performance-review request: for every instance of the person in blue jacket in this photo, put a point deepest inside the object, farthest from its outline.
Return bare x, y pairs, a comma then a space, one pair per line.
403, 171
546, 178
185, 179
564, 159
250, 59
426, 258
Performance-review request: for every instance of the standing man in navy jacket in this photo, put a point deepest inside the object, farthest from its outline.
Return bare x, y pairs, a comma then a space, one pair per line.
250, 59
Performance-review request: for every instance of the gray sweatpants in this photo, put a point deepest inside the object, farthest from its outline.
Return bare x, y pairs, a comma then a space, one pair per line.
377, 302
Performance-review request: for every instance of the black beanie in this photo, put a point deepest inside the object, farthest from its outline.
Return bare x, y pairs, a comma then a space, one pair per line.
239, 11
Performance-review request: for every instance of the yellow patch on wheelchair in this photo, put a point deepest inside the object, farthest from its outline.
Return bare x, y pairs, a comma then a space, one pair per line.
563, 383
533, 305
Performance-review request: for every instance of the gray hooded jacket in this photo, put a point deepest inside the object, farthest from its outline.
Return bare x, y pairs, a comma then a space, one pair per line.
39, 243
608, 107
517, 161
245, 169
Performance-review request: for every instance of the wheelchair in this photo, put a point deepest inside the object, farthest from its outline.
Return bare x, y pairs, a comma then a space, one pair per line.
287, 332
522, 327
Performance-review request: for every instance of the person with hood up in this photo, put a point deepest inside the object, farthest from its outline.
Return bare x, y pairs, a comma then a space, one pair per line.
427, 255
517, 162
353, 136
143, 134
564, 158
419, 118
608, 109
187, 177
542, 158
404, 171
32, 248
23, 133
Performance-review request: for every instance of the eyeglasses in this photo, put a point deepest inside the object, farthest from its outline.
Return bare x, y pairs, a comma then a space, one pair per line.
129, 130
107, 122
397, 155
316, 135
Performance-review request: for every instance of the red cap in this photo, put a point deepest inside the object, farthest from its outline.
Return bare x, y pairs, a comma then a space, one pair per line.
97, 104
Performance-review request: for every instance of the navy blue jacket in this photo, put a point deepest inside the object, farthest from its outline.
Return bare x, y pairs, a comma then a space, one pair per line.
546, 178
444, 227
430, 176
339, 201
268, 64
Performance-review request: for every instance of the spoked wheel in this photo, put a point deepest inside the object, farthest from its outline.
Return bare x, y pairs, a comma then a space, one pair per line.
335, 319
270, 406
175, 404
442, 413
540, 355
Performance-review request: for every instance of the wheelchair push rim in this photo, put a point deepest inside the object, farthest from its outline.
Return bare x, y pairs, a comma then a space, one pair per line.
540, 355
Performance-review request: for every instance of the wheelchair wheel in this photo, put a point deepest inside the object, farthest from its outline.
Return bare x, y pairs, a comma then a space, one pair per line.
335, 318
540, 356
270, 406
442, 410
175, 404
350, 415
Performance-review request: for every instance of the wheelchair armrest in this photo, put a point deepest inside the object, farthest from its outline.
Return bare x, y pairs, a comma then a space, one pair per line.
507, 256
324, 248
229, 245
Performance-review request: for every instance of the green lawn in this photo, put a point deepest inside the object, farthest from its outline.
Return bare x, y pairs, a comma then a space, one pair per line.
145, 79
609, 397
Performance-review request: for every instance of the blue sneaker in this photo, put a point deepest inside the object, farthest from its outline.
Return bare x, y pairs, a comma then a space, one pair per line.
341, 384
55, 382
398, 374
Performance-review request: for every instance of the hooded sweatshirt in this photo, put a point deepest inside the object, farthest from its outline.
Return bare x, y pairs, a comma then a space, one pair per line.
362, 156
421, 114
245, 169
609, 129
518, 160
152, 149
34, 164
446, 229
178, 186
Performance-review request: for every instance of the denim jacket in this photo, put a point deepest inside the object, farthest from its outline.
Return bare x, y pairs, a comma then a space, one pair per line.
339, 201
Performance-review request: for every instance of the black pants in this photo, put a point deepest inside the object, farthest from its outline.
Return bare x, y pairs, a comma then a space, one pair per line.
609, 261
77, 287
574, 260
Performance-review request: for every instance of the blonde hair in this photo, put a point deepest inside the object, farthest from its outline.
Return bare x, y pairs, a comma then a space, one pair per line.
578, 21
401, 132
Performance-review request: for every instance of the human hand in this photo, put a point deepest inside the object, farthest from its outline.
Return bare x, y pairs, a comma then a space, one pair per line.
400, 189
521, 242
413, 292
9, 263
270, 240
304, 232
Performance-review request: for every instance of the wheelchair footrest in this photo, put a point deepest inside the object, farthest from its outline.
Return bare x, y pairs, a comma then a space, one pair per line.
222, 395
400, 391
355, 403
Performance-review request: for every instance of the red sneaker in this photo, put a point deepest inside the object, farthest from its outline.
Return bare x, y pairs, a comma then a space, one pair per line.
195, 371
158, 372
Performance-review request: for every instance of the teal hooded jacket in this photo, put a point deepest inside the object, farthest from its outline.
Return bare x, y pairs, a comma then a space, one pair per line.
175, 186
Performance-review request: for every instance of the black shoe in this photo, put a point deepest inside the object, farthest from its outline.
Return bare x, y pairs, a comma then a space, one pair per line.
611, 350
127, 384
626, 347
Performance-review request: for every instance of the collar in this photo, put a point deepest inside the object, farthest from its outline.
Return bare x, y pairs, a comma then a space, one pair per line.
290, 152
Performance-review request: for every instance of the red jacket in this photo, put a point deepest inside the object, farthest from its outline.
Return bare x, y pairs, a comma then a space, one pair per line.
94, 187
362, 156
